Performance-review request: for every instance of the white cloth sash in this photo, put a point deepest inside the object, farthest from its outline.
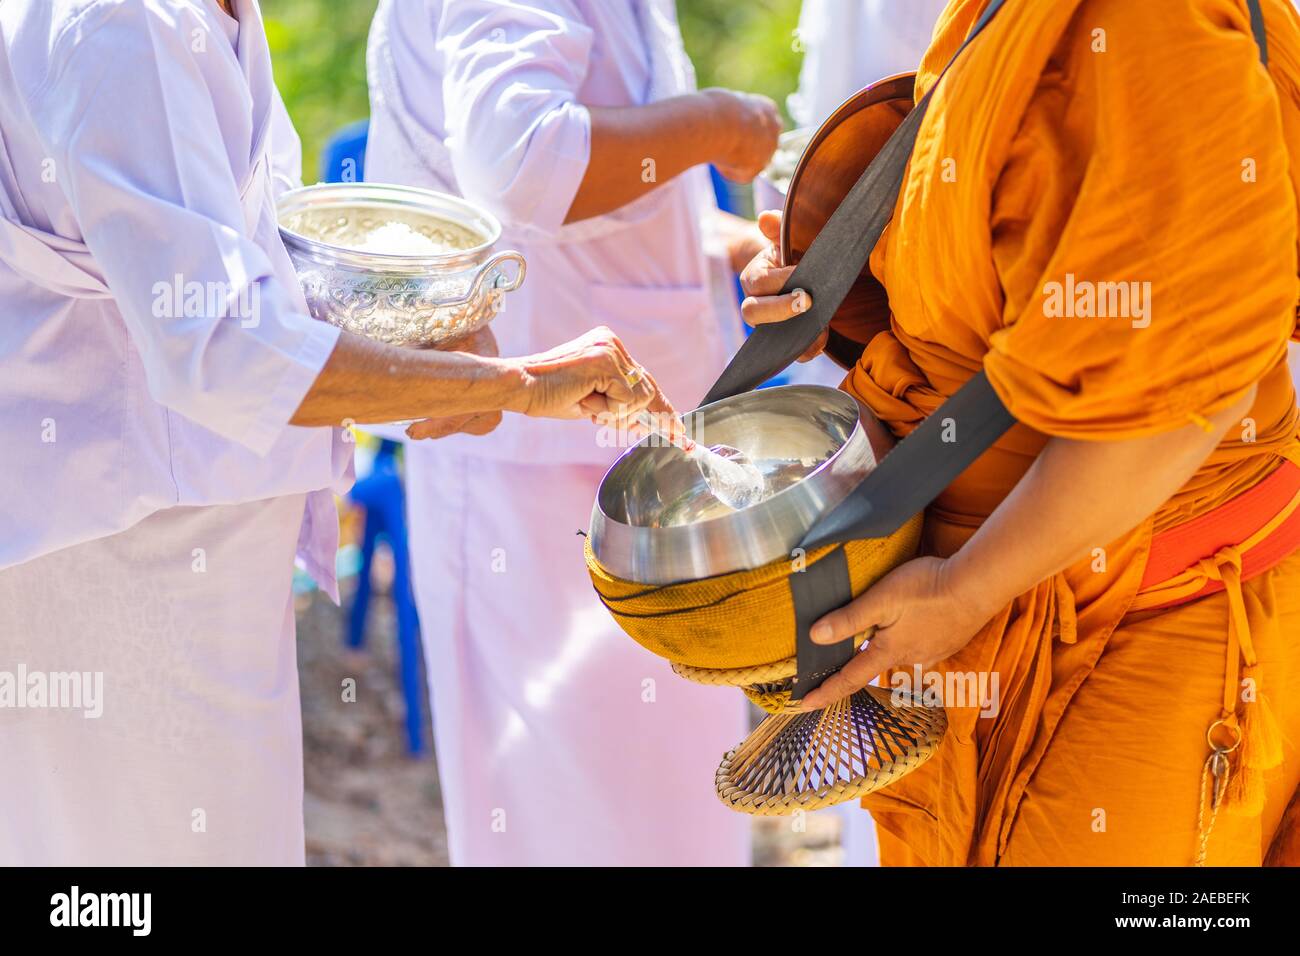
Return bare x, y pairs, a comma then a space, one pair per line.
65, 266
61, 265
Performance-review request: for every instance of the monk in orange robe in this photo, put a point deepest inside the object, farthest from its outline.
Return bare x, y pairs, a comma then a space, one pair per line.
1101, 212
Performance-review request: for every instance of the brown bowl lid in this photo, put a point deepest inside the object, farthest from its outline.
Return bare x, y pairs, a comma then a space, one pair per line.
835, 158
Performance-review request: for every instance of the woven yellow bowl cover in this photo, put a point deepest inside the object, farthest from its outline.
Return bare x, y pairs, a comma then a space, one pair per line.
744, 619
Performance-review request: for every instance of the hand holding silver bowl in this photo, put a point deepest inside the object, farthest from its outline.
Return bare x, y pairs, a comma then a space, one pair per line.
412, 268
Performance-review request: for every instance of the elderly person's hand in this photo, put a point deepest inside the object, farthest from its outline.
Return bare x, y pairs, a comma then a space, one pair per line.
482, 342
763, 280
749, 125
593, 376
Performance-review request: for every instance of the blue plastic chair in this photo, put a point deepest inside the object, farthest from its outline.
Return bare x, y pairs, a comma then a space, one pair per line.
382, 497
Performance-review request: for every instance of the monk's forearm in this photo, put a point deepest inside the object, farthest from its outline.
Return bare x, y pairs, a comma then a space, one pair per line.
636, 149
1077, 496
365, 381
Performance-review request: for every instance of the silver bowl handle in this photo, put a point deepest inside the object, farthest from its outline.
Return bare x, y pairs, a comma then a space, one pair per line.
510, 285
501, 283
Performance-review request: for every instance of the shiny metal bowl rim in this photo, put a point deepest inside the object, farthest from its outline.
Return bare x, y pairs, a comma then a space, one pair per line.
857, 436
428, 202
731, 400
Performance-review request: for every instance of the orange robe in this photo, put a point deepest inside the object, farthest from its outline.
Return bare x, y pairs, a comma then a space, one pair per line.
1098, 141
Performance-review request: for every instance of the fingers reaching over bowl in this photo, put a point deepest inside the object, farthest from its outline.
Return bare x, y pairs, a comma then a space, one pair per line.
591, 376
765, 277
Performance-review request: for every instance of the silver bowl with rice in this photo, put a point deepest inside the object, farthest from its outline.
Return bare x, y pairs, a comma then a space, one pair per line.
400, 265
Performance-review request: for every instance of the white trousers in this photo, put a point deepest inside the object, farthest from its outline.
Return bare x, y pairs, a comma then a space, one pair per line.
559, 740
196, 758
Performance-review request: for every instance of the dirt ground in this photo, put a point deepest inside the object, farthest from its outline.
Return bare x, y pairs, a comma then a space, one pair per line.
369, 804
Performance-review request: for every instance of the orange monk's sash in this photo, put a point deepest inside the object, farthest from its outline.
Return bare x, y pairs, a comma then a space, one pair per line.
1256, 530
1217, 551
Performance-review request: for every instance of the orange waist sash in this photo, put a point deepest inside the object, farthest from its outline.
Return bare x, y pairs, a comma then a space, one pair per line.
1216, 552
1254, 531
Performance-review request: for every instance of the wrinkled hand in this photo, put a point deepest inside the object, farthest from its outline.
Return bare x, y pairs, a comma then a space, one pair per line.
482, 342
589, 377
749, 125
911, 616
480, 423
763, 280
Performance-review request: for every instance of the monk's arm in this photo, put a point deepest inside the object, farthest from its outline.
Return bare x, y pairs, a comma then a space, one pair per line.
1078, 495
735, 131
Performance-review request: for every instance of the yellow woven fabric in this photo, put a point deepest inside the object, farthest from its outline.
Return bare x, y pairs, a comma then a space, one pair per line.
743, 619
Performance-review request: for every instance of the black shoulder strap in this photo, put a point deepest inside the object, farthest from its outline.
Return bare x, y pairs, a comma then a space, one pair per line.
908, 479
838, 253
1258, 29
921, 466
942, 447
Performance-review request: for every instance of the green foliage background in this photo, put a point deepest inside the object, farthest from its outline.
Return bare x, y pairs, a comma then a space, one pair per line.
319, 49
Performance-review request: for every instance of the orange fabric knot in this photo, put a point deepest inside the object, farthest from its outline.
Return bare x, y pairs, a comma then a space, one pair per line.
1224, 562
1252, 720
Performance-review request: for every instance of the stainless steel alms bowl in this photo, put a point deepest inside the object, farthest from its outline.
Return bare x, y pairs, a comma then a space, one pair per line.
655, 521
422, 301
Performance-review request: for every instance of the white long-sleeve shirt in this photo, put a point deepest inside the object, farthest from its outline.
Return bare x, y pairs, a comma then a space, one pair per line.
489, 99
154, 341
